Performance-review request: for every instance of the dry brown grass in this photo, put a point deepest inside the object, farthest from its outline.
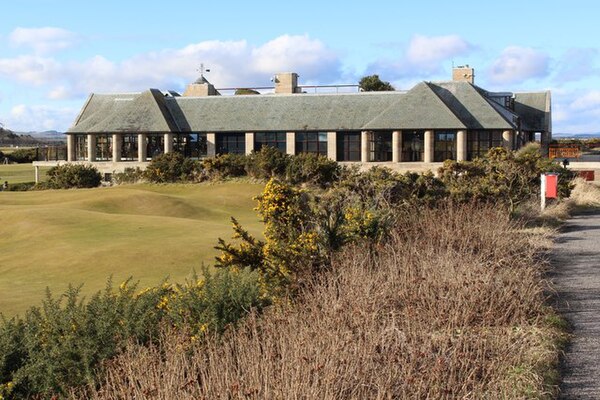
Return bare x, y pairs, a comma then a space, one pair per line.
451, 308
585, 194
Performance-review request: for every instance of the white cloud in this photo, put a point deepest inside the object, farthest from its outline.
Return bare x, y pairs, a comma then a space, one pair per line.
39, 117
577, 64
232, 63
423, 57
517, 64
576, 111
43, 40
588, 101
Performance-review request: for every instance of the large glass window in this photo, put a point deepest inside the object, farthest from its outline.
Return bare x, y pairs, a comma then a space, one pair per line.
348, 146
155, 145
234, 143
480, 141
311, 142
103, 147
413, 145
81, 150
444, 146
129, 147
380, 146
196, 145
273, 139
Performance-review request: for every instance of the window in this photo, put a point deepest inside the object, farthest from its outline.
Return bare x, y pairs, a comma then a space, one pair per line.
380, 146
196, 145
348, 146
311, 142
273, 139
103, 147
479, 142
129, 147
81, 150
413, 147
155, 145
444, 146
234, 143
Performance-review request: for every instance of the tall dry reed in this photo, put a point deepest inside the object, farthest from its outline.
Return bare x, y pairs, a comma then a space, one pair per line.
451, 307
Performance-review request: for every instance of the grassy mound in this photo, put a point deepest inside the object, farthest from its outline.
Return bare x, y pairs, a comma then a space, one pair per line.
53, 238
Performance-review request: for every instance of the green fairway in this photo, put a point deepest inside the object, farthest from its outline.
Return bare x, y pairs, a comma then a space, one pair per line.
56, 237
20, 173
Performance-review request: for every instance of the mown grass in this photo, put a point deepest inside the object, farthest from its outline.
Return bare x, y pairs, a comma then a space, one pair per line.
56, 237
20, 173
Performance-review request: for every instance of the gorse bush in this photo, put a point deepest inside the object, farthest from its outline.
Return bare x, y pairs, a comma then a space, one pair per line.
172, 167
129, 175
267, 163
23, 156
224, 166
60, 345
70, 176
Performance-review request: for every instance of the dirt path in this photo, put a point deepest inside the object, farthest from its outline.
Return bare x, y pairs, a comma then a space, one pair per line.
577, 278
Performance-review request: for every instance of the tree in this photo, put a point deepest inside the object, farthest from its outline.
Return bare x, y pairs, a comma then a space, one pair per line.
372, 83
245, 91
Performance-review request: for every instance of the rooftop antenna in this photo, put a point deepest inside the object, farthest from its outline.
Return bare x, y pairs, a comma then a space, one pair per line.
202, 70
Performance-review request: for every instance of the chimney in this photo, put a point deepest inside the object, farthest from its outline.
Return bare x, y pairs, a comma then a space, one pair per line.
201, 87
463, 73
286, 82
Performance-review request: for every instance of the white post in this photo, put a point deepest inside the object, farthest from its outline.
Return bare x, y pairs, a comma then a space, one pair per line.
37, 174
543, 191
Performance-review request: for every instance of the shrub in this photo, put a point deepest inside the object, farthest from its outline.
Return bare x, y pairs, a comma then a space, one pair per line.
267, 163
21, 187
172, 167
73, 176
23, 156
129, 175
312, 168
224, 166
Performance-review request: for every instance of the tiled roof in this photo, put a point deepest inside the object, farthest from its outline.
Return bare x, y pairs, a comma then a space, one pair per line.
534, 109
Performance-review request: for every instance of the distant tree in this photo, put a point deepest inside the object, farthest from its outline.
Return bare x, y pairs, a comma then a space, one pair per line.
243, 91
372, 83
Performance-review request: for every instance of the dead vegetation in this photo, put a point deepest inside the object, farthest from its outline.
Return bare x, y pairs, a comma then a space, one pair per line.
452, 307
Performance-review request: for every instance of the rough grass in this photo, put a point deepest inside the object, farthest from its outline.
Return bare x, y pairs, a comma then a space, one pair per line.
452, 307
20, 173
56, 237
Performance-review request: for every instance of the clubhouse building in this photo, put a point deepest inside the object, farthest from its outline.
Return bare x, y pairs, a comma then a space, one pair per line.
430, 123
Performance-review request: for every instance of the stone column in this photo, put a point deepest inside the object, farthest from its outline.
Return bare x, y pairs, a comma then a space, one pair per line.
37, 173
142, 147
168, 143
70, 147
249, 142
396, 146
211, 142
428, 156
461, 145
116, 147
91, 147
364, 146
290, 143
332, 145
508, 138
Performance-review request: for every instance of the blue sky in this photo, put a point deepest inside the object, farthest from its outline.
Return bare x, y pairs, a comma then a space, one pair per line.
53, 53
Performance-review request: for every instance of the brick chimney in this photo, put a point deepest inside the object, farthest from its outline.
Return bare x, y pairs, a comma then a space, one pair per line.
286, 82
463, 73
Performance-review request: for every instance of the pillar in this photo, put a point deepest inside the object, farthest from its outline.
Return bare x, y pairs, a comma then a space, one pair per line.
37, 173
70, 147
364, 146
461, 145
116, 148
211, 144
249, 142
91, 147
142, 147
508, 138
168, 143
290, 143
428, 156
396, 146
332, 145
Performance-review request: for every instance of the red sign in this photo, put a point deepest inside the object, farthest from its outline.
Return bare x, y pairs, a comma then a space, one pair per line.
551, 186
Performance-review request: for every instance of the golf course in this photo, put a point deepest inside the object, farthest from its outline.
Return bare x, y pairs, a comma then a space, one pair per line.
54, 238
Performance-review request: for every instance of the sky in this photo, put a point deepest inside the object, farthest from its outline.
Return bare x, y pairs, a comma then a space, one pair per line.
54, 53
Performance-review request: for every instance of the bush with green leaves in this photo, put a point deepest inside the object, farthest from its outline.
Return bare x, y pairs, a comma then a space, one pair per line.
69, 176
172, 167
128, 176
23, 156
60, 345
224, 166
313, 169
267, 163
